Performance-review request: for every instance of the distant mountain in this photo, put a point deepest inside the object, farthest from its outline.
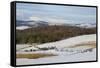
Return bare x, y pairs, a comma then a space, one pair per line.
23, 23
86, 25
33, 24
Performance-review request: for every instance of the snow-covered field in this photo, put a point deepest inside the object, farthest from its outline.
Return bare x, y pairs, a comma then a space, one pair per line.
65, 50
22, 27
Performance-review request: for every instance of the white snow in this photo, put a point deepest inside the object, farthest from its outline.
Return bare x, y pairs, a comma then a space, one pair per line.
71, 41
22, 27
89, 56
63, 51
86, 25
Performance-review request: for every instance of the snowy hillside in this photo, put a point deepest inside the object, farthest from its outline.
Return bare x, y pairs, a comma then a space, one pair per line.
79, 48
22, 27
69, 42
88, 56
86, 25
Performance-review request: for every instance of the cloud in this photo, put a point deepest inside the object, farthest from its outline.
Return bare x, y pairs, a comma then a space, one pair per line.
35, 18
52, 19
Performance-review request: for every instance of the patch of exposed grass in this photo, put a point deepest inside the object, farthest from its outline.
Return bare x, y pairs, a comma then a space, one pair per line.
85, 44
88, 44
33, 56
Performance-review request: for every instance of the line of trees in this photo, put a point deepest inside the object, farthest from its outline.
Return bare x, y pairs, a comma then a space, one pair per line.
50, 33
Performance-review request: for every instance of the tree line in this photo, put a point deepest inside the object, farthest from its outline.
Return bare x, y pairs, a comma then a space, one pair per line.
50, 33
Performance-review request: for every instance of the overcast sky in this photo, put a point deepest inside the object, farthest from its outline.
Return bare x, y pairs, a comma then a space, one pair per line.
55, 13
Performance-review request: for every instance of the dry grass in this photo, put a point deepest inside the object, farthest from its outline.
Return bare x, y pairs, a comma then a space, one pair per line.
88, 44
85, 44
33, 56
